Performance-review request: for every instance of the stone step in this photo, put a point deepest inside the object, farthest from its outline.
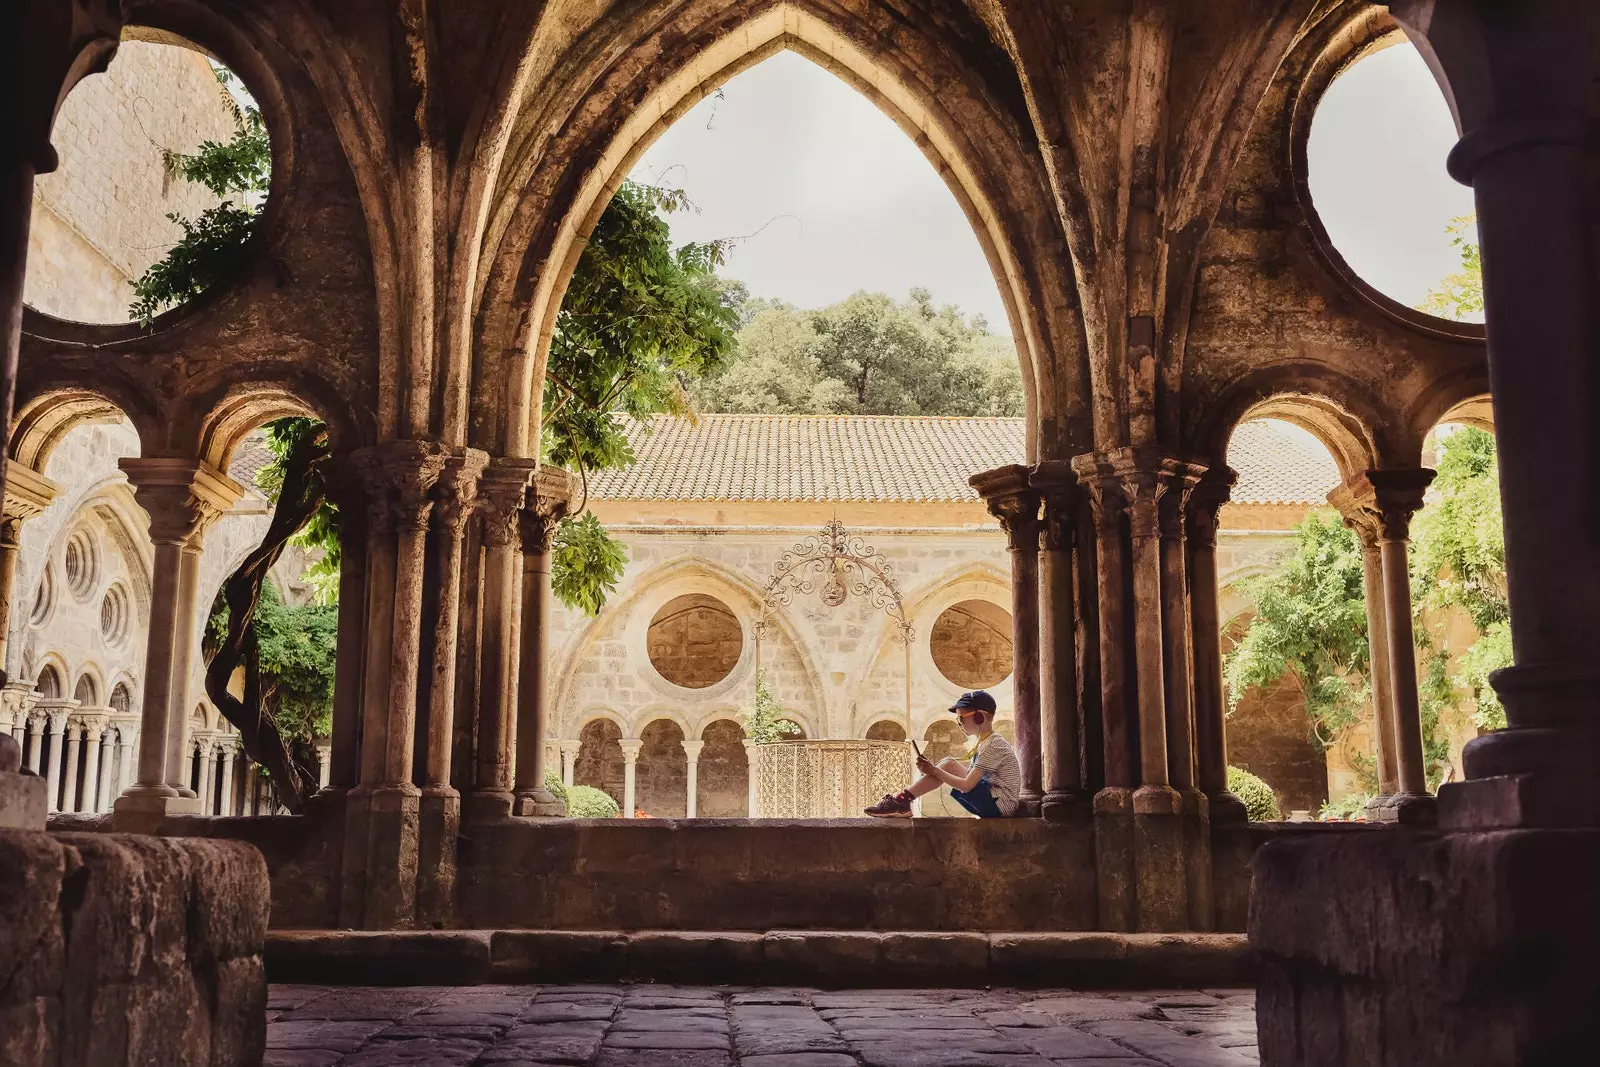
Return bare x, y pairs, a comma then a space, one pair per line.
822, 958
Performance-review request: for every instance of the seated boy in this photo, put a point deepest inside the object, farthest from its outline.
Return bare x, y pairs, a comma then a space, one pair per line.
987, 786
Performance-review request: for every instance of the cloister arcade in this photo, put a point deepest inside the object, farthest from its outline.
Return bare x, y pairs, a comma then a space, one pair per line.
1146, 213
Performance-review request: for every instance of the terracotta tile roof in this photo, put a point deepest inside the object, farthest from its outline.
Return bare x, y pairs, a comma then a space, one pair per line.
883, 458
251, 455
897, 459
1280, 464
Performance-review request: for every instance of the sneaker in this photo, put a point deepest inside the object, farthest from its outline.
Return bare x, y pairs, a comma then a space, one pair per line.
890, 807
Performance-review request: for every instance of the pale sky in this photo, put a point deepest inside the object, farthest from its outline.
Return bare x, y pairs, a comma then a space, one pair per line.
829, 196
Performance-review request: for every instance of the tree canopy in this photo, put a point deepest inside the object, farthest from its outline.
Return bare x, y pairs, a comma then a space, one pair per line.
1460, 295
866, 355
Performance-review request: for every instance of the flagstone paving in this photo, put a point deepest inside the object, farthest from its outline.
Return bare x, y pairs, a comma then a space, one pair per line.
696, 1026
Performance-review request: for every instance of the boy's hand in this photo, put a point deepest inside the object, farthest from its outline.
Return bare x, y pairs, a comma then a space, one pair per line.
925, 765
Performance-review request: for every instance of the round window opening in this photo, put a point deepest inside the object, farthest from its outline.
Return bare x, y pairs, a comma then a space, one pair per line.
44, 601
165, 165
114, 615
694, 641
1384, 124
971, 644
82, 564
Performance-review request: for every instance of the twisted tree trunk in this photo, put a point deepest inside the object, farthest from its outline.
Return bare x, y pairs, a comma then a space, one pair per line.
291, 767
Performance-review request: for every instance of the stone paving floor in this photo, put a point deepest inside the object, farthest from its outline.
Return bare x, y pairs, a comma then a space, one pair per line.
683, 1026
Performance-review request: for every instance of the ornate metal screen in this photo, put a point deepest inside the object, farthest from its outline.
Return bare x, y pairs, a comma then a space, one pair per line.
826, 779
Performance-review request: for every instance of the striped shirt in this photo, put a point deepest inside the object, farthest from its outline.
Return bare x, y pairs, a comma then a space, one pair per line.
998, 761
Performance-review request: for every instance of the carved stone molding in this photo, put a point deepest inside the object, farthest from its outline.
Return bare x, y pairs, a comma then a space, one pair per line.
1378, 504
400, 477
27, 494
1059, 493
182, 497
1010, 499
502, 493
456, 492
1213, 490
548, 497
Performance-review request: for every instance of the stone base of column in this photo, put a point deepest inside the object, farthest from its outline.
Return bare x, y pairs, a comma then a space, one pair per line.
1029, 805
1066, 807
22, 800
1227, 809
140, 811
1407, 809
1516, 800
538, 803
1162, 880
379, 885
439, 827
1115, 879
486, 806
1200, 887
1458, 949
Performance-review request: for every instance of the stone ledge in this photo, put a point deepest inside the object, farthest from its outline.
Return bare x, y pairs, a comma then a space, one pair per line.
829, 958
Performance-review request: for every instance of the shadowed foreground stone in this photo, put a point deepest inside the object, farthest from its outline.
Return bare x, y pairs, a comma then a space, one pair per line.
856, 959
1429, 950
119, 949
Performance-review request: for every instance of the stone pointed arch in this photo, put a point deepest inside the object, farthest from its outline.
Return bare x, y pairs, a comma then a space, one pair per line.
623, 83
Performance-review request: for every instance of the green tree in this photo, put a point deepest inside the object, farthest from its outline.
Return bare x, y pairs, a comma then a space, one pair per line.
1460, 295
295, 645
214, 248
764, 721
1310, 623
866, 355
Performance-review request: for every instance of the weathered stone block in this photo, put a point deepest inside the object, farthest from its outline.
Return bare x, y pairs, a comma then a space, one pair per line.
22, 801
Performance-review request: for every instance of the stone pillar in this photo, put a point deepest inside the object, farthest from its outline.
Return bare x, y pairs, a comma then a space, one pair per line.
1060, 737
569, 761
27, 493
127, 748
1006, 492
630, 761
324, 765
692, 750
379, 883
1210, 703
1399, 495
36, 720
440, 819
99, 772
502, 492
225, 800
350, 650
208, 780
1355, 503
546, 504
182, 499
751, 761
69, 786
56, 725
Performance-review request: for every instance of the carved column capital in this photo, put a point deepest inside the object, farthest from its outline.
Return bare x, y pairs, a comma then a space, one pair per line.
456, 491
399, 476
692, 749
1213, 490
1378, 504
630, 749
1006, 493
545, 505
27, 494
502, 492
1102, 487
182, 497
1057, 486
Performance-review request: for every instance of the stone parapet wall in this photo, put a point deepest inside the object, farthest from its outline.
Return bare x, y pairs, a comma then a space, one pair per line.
120, 950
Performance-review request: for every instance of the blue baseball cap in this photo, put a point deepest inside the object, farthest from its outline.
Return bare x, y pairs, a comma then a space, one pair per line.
977, 700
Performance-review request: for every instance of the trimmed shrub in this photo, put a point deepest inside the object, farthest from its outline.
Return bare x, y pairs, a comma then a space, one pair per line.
1260, 802
583, 801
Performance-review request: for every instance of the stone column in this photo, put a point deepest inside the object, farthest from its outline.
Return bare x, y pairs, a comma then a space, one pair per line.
69, 788
27, 493
225, 801
1060, 741
569, 761
630, 761
546, 505
1006, 493
379, 878
1398, 496
502, 492
1210, 704
753, 801
208, 777
692, 750
37, 721
182, 499
1354, 501
324, 765
127, 748
440, 819
99, 767
56, 725
350, 651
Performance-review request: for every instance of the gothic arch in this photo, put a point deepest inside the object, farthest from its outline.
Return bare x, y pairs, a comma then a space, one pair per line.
667, 65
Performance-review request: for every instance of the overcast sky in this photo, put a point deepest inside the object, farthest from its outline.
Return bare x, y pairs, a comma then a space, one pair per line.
829, 196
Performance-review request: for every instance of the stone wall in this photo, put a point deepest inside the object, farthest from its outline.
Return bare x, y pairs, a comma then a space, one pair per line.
131, 950
101, 218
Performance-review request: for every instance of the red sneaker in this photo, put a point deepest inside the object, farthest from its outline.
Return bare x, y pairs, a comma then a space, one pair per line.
891, 807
